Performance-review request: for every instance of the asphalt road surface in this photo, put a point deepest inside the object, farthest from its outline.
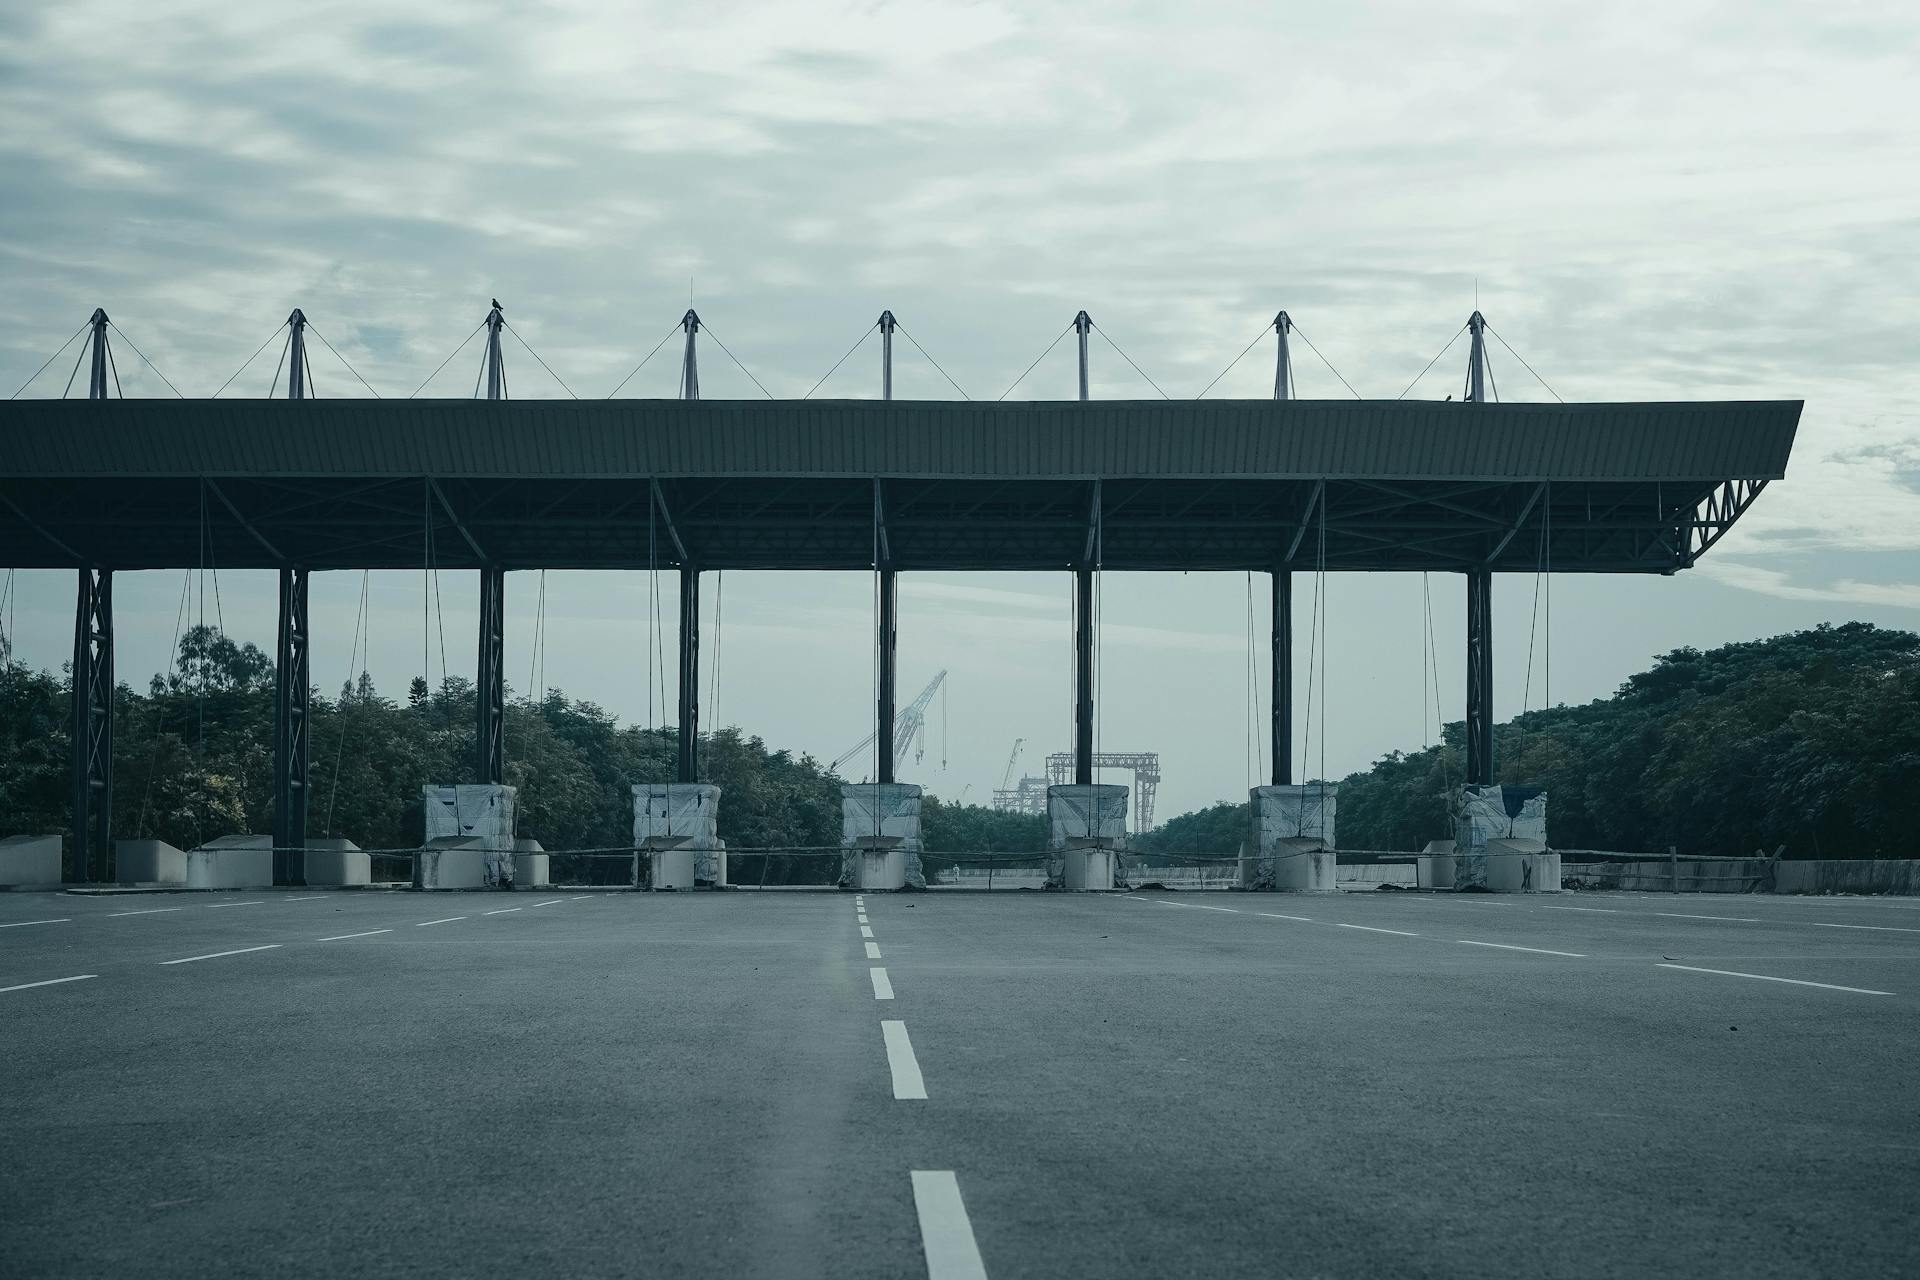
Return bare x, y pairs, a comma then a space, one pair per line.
305, 1083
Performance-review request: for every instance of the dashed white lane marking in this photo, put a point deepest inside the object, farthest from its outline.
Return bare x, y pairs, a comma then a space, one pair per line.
580, 897
257, 902
550, 902
342, 937
50, 982
310, 898
1608, 911
1877, 928
447, 920
873, 951
1275, 915
1762, 977
1200, 906
882, 985
215, 955
1508, 946
1402, 933
1681, 915
21, 924
866, 931
862, 918
502, 911
945, 1232
150, 911
908, 1084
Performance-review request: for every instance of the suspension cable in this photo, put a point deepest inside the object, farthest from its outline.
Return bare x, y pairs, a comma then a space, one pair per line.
337, 356
536, 355
349, 691
1436, 360
50, 359
1529, 368
643, 363
1323, 360
736, 359
930, 360
444, 363
1129, 359
143, 357
1036, 360
864, 335
249, 360
1236, 360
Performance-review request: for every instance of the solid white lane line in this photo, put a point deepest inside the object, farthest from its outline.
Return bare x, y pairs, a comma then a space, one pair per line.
1681, 915
1200, 906
882, 985
150, 911
945, 1233
1877, 928
310, 898
502, 911
908, 1084
866, 931
342, 937
1762, 977
1508, 946
448, 920
1608, 911
21, 924
271, 946
257, 902
1275, 915
50, 982
1370, 929
873, 951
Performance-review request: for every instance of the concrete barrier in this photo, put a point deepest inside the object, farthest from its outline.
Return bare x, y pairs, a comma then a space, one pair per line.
332, 862
231, 862
1847, 875
30, 861
1656, 875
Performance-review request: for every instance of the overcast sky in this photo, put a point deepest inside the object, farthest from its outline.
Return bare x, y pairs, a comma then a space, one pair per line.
1650, 201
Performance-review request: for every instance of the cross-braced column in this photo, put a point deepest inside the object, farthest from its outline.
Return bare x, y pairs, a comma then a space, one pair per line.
93, 727
689, 763
293, 682
1479, 678
490, 679
1282, 676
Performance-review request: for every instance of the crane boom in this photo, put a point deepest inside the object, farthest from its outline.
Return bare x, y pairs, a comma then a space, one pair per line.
907, 725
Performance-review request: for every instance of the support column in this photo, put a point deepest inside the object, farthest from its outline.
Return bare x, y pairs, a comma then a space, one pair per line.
690, 360
1283, 363
97, 366
93, 685
1477, 359
689, 674
1083, 677
1479, 677
1082, 325
293, 682
886, 355
490, 679
1282, 676
297, 388
889, 635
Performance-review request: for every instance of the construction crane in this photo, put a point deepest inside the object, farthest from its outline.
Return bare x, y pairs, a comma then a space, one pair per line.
909, 728
1006, 776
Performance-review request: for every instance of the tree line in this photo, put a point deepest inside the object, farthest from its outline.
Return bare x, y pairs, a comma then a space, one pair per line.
1809, 740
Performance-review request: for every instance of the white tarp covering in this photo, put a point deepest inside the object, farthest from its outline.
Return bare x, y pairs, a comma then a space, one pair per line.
686, 814
479, 811
1493, 813
888, 811
1082, 817
1282, 817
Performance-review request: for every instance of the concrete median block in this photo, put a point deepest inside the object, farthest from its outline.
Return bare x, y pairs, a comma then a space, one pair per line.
30, 860
231, 862
454, 864
150, 862
1521, 866
529, 864
1290, 843
335, 863
1086, 829
880, 836
480, 814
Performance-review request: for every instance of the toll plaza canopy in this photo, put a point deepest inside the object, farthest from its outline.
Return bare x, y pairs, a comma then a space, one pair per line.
913, 485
